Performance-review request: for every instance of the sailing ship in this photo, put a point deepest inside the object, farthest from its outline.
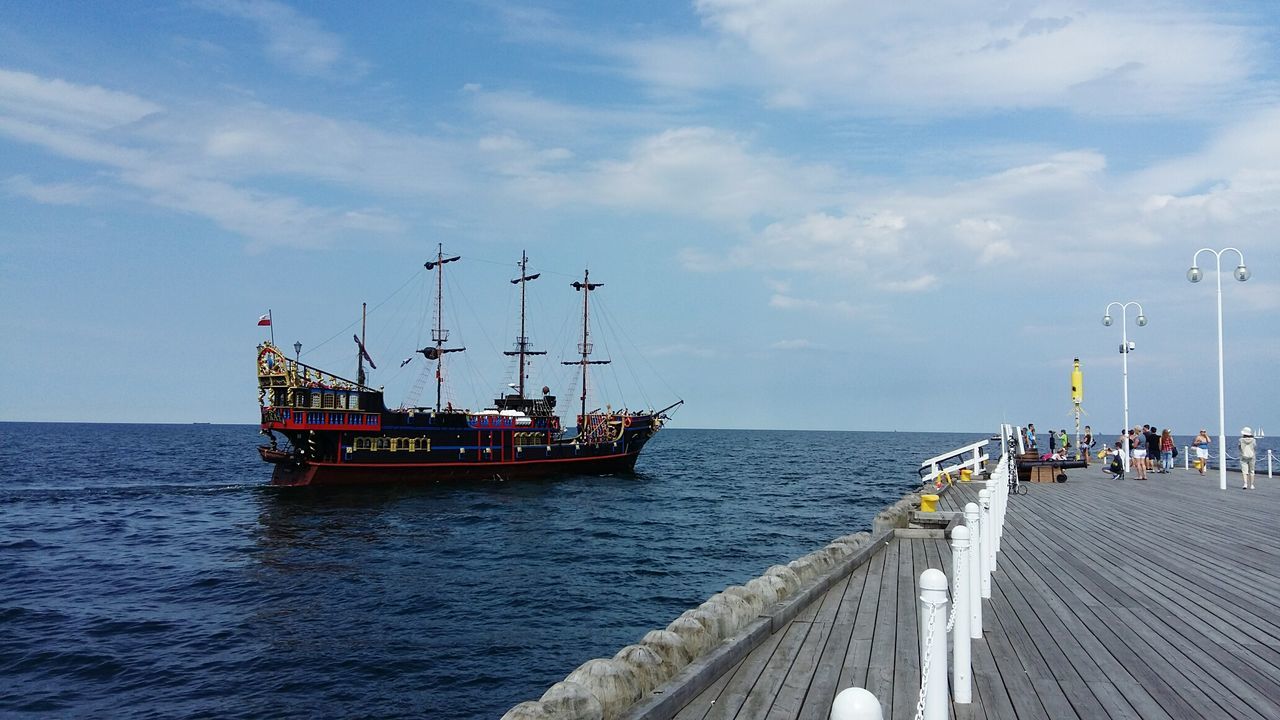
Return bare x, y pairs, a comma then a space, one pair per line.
339, 431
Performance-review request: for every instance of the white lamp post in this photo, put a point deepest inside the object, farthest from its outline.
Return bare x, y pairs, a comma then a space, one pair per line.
1124, 360
1195, 275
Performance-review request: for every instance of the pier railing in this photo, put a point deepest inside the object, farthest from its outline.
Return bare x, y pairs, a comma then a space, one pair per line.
1209, 456
974, 546
953, 461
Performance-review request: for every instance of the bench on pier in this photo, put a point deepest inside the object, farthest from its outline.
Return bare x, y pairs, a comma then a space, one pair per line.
1047, 471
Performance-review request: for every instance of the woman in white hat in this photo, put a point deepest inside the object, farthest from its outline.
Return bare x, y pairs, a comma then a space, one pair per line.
1248, 456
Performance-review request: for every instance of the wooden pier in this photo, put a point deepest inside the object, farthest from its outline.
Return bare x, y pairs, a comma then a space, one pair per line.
1111, 599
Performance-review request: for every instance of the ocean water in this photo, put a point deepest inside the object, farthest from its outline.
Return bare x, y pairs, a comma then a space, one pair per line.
149, 571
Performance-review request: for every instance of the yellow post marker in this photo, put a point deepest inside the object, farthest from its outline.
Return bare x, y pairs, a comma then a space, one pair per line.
966, 475
928, 503
1077, 383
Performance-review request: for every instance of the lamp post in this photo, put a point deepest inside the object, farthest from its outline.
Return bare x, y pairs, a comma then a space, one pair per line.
1124, 359
1195, 275
297, 350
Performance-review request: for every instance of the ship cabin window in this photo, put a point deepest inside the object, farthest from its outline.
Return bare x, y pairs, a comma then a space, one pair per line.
328, 400
315, 399
382, 443
353, 401
401, 444
421, 444
364, 443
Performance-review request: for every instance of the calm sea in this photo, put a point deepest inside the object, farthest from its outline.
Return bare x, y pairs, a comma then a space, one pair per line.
149, 571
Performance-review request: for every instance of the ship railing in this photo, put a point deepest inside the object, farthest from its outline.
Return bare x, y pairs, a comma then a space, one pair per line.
953, 461
302, 375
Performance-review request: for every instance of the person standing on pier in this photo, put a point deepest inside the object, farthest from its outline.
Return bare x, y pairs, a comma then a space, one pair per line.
1200, 446
1086, 444
1166, 451
1248, 456
1153, 445
1139, 454
1031, 436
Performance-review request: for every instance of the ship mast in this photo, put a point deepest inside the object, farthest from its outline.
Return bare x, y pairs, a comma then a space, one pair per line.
361, 354
522, 342
364, 308
584, 348
438, 334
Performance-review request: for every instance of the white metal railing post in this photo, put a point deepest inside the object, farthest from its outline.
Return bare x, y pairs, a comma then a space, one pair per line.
933, 645
984, 506
974, 581
856, 703
1269, 454
993, 514
1186, 457
961, 675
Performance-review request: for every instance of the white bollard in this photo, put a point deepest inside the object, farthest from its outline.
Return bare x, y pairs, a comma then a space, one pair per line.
975, 570
984, 505
856, 703
961, 676
996, 521
933, 644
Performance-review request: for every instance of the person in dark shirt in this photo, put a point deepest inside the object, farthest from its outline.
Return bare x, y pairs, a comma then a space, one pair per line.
1153, 444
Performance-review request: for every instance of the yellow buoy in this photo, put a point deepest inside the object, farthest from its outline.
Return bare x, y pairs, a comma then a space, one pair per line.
928, 503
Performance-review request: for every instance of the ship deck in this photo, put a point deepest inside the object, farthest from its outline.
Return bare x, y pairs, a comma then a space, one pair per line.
1111, 599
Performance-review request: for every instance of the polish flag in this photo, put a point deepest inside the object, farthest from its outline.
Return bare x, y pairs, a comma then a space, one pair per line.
264, 319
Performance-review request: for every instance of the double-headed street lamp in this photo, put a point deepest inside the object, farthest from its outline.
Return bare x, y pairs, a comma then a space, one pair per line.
1125, 348
1195, 275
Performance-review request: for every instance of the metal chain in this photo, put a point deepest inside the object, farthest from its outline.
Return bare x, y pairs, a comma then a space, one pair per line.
924, 661
955, 591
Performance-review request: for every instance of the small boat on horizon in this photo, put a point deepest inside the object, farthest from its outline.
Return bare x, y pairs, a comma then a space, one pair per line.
340, 431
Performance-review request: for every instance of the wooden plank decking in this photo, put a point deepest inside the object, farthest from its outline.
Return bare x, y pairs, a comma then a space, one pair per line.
1112, 599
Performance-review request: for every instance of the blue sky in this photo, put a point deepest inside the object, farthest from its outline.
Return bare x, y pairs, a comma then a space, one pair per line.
826, 214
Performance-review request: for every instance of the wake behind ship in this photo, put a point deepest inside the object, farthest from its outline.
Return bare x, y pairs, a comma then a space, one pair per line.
340, 431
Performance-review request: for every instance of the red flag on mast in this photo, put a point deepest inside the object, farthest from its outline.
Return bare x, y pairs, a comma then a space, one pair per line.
264, 320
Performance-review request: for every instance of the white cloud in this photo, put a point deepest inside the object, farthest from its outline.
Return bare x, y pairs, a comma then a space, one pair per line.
793, 344
962, 55
692, 171
192, 161
842, 308
50, 193
293, 40
681, 350
36, 99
